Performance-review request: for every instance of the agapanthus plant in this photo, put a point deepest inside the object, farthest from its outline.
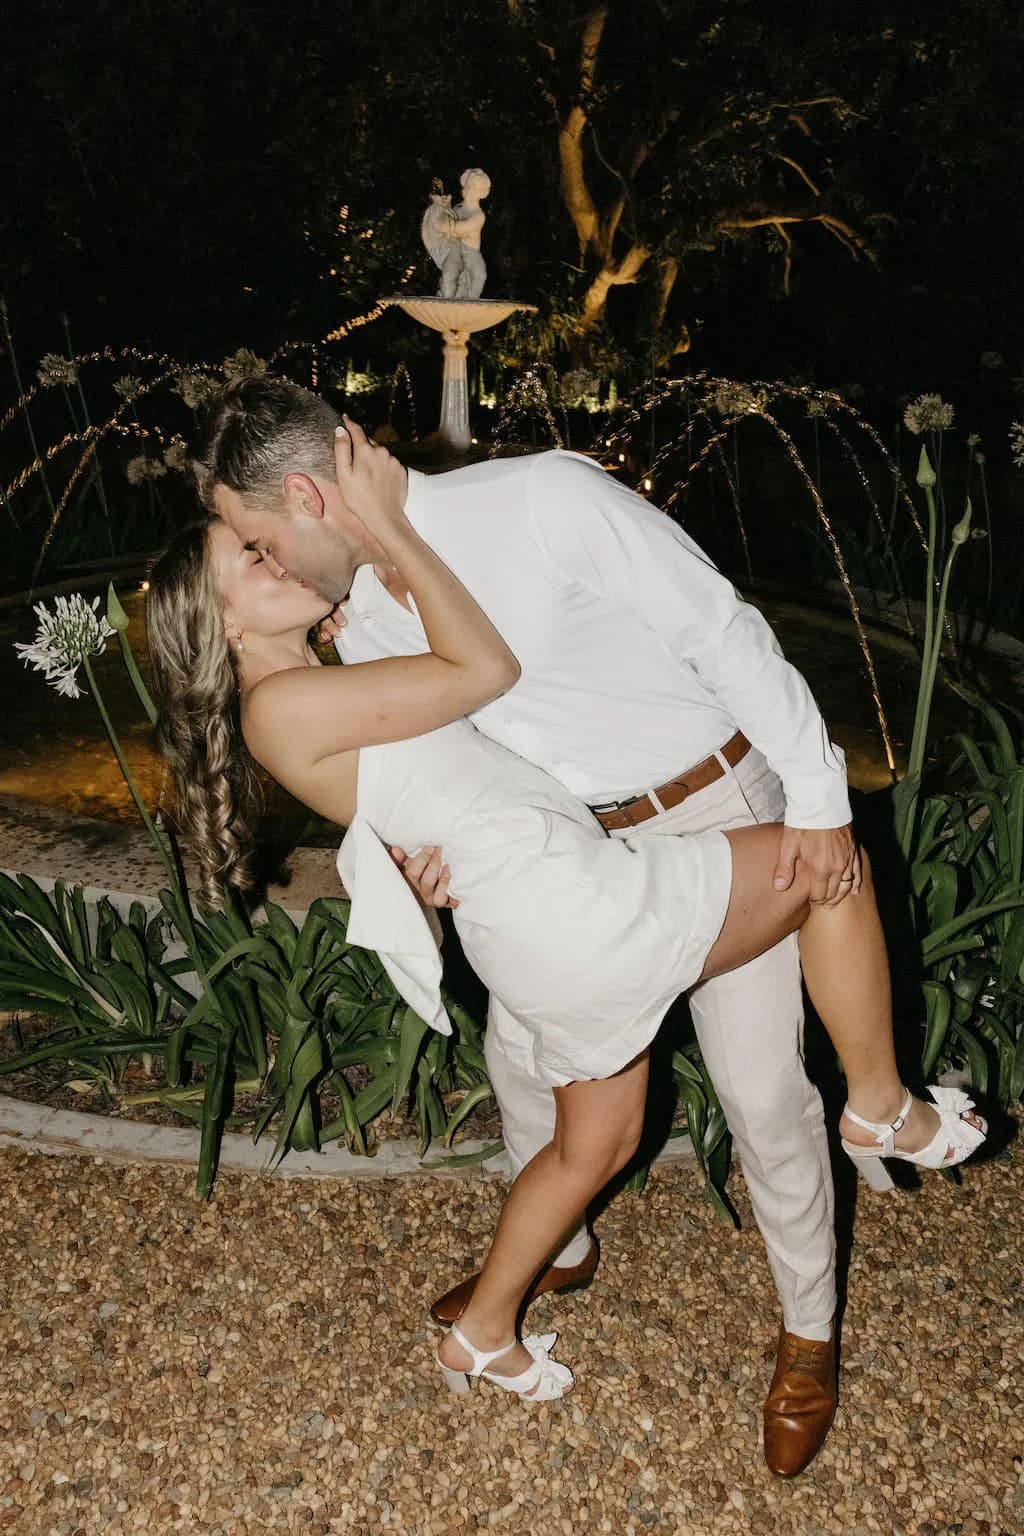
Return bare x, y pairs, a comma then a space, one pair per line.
71, 637
65, 639
54, 369
733, 398
928, 413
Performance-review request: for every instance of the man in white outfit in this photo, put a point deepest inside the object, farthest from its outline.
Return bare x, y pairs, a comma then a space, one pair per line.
662, 699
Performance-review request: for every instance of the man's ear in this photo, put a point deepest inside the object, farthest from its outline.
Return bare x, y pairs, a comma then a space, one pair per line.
302, 496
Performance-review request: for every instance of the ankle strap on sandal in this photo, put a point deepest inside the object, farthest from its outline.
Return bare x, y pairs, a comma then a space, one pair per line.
481, 1357
885, 1131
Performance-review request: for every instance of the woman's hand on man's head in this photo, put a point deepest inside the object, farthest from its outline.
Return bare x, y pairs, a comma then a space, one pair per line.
373, 485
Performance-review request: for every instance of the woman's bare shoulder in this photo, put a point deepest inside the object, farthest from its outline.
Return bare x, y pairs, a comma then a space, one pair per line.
279, 701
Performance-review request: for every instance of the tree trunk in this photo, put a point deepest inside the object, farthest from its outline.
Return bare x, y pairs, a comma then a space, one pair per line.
596, 298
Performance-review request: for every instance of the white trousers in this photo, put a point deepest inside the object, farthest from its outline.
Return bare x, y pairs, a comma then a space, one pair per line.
749, 1023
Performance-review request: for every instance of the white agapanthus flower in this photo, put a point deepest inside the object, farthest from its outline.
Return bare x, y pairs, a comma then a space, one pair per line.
731, 398
143, 468
64, 639
129, 387
243, 364
1017, 443
580, 387
928, 413
176, 455
196, 389
56, 369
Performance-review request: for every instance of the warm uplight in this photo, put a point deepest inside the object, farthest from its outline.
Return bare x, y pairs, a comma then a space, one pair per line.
622, 458
648, 484
143, 586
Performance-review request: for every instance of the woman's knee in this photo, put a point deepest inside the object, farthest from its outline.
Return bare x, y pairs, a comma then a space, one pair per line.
598, 1151
598, 1123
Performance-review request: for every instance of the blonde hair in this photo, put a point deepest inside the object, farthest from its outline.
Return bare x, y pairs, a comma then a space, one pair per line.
196, 692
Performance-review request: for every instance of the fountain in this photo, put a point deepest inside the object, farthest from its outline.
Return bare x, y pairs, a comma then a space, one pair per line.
452, 237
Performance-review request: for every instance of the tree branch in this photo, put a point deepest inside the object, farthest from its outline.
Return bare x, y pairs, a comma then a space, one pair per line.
575, 193
635, 158
798, 168
838, 228
611, 277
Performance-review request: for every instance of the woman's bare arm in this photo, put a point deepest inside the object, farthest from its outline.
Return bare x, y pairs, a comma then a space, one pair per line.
304, 715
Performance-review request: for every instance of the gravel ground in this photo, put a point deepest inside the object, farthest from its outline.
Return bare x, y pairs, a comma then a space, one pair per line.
262, 1363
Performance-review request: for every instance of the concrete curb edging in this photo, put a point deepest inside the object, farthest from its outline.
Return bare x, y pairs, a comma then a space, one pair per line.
71, 1133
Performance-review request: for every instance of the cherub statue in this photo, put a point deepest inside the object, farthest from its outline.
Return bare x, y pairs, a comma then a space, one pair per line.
452, 236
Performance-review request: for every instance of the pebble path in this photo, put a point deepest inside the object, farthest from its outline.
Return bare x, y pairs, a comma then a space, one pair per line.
262, 1363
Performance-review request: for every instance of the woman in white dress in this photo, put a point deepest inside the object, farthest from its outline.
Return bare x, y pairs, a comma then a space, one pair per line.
586, 939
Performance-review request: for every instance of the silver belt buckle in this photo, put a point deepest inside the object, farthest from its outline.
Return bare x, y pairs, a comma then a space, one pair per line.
615, 805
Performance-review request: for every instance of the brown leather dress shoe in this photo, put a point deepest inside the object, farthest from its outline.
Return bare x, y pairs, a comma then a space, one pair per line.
801, 1403
447, 1309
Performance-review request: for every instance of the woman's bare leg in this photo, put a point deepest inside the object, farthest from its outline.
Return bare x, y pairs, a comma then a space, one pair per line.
842, 951
597, 1130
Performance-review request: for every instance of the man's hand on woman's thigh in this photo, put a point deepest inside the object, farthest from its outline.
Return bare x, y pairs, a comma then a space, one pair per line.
830, 855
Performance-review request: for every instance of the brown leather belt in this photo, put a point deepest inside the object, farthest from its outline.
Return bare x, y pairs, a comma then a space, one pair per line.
617, 814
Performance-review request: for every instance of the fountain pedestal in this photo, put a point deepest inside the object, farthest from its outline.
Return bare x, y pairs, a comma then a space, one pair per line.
456, 319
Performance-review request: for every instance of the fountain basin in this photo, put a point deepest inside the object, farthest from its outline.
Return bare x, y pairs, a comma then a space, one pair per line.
456, 319
459, 316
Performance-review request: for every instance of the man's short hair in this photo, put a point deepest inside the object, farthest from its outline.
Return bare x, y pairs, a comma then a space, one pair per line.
259, 430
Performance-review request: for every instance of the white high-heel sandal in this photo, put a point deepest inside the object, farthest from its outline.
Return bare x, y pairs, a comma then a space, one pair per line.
955, 1131
550, 1379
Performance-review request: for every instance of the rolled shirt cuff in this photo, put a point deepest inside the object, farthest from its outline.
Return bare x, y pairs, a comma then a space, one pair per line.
819, 801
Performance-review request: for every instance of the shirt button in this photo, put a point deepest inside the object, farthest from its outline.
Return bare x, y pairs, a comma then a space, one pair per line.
507, 720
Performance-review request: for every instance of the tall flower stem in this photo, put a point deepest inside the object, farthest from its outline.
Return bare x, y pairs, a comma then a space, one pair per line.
24, 409
118, 619
173, 874
129, 778
934, 623
101, 489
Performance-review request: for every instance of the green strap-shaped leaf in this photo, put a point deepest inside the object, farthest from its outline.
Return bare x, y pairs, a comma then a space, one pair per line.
977, 1061
1017, 1070
84, 1050
939, 1006
413, 1029
369, 1101
213, 1113
969, 919
465, 1108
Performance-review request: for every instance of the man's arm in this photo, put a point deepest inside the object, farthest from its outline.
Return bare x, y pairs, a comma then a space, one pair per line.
598, 533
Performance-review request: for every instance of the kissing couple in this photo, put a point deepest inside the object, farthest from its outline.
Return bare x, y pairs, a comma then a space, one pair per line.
548, 685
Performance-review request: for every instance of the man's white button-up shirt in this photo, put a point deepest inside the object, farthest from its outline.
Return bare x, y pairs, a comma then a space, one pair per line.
638, 657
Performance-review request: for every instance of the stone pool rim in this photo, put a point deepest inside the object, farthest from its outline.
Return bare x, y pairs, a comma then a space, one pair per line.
51, 1132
